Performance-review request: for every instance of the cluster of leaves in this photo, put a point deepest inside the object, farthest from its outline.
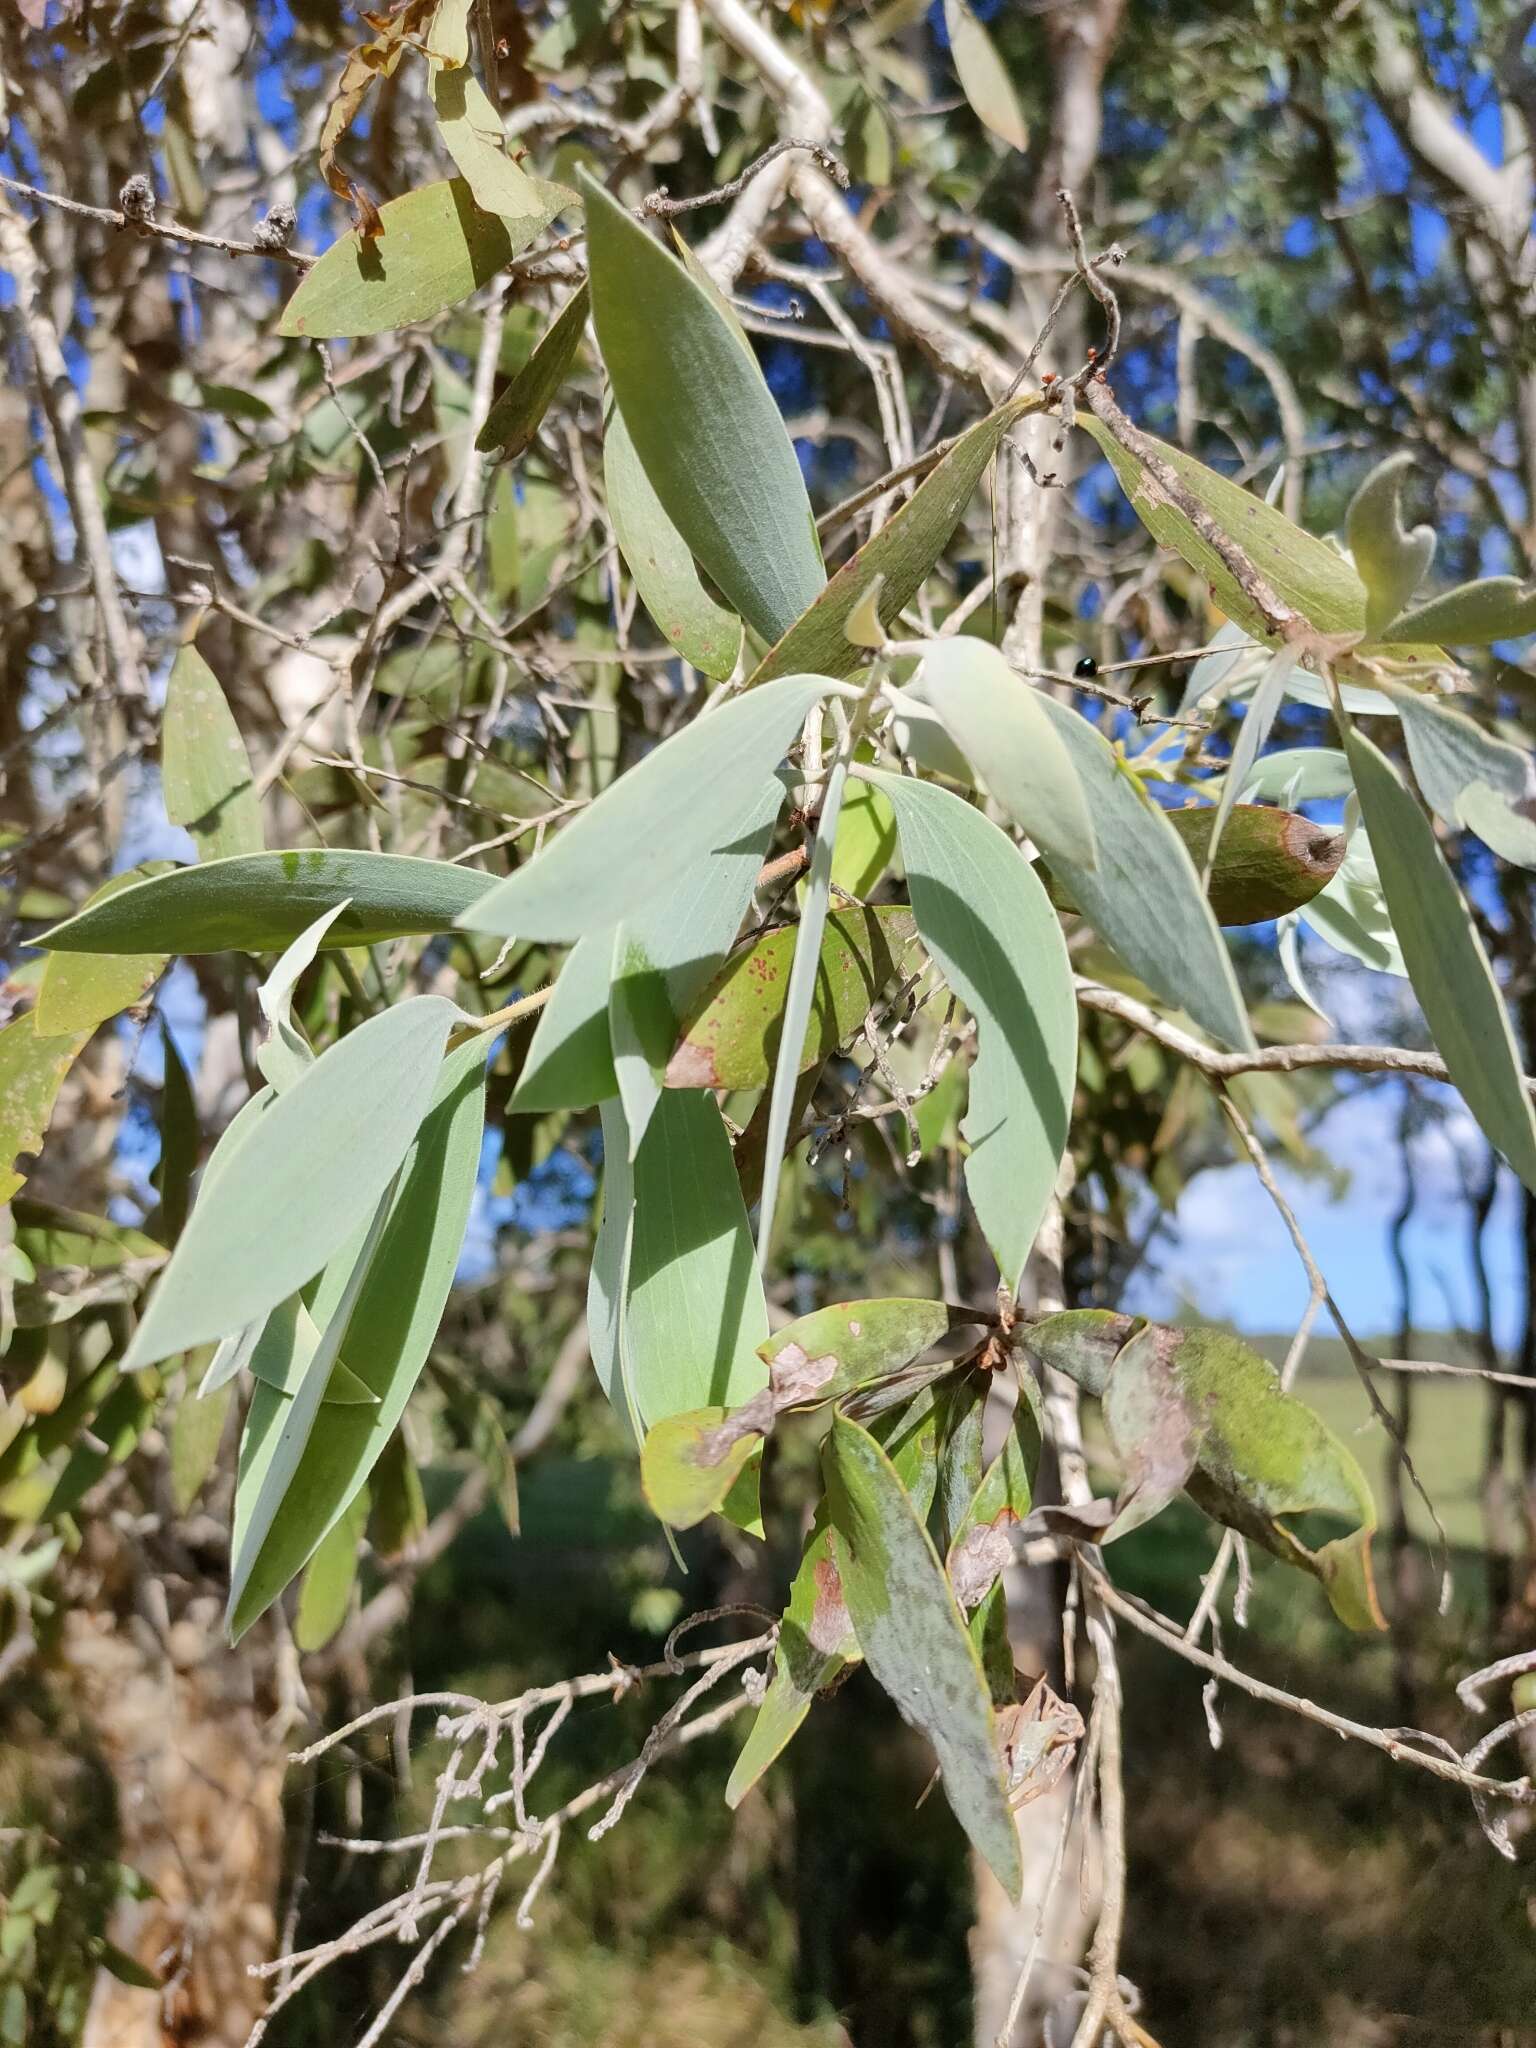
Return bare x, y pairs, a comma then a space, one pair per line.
314, 1266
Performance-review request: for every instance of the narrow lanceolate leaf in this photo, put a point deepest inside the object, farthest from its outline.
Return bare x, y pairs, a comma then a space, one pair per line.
1307, 573
475, 139
517, 415
180, 1139
435, 248
32, 1070
197, 1430
310, 1171
260, 902
329, 1577
902, 553
1144, 897
994, 718
730, 1035
388, 1334
77, 993
866, 841
717, 450
988, 923
983, 79
663, 957
205, 772
661, 562
286, 1052
1391, 559
1470, 778
914, 1639
608, 1280
1446, 960
569, 1063
1496, 608
695, 1312
683, 803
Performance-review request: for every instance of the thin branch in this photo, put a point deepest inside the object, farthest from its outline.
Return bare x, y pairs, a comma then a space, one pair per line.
160, 230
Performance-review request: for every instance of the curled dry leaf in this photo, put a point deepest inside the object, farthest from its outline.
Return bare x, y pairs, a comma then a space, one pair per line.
1037, 1740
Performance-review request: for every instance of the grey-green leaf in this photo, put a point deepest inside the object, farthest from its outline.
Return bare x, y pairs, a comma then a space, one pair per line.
260, 902
995, 719
515, 418
1446, 961
683, 803
205, 772
1475, 615
987, 921
983, 79
311, 1169
703, 422
1469, 777
1144, 897
914, 1639
695, 1312
703, 632
1392, 560
437, 247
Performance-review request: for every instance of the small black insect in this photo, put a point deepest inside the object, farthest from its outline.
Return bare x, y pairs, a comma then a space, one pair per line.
1086, 667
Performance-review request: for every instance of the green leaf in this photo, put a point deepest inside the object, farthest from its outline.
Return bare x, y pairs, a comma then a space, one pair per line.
981, 1547
1446, 961
688, 618
180, 1139
32, 1070
311, 1170
388, 1335
436, 248
1471, 779
901, 553
866, 840
730, 1036
684, 802
399, 1505
690, 1462
717, 451
603, 1001
1144, 898
608, 1280
1298, 775
78, 994
995, 718
1351, 914
988, 923
515, 418
260, 902
197, 1430
1308, 574
1475, 615
1391, 561
695, 1311
983, 79
205, 772
475, 139
914, 1638
822, 1356
329, 1578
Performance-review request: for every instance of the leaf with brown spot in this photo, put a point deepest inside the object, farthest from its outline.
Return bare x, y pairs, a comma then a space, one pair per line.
372, 60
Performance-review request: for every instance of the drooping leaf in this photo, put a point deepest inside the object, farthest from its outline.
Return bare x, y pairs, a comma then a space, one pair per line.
816, 1640
197, 1430
474, 137
1446, 960
515, 418
1391, 560
1307, 573
78, 994
374, 59
695, 1311
398, 1513
608, 1280
260, 902
1470, 778
1475, 615
994, 718
866, 841
902, 553
915, 1640
205, 772
1144, 898
730, 1037
32, 1070
683, 803
1351, 914
180, 1139
310, 1171
703, 422
388, 1334
569, 1063
329, 1577
983, 78
434, 247
981, 1547
688, 618
988, 923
